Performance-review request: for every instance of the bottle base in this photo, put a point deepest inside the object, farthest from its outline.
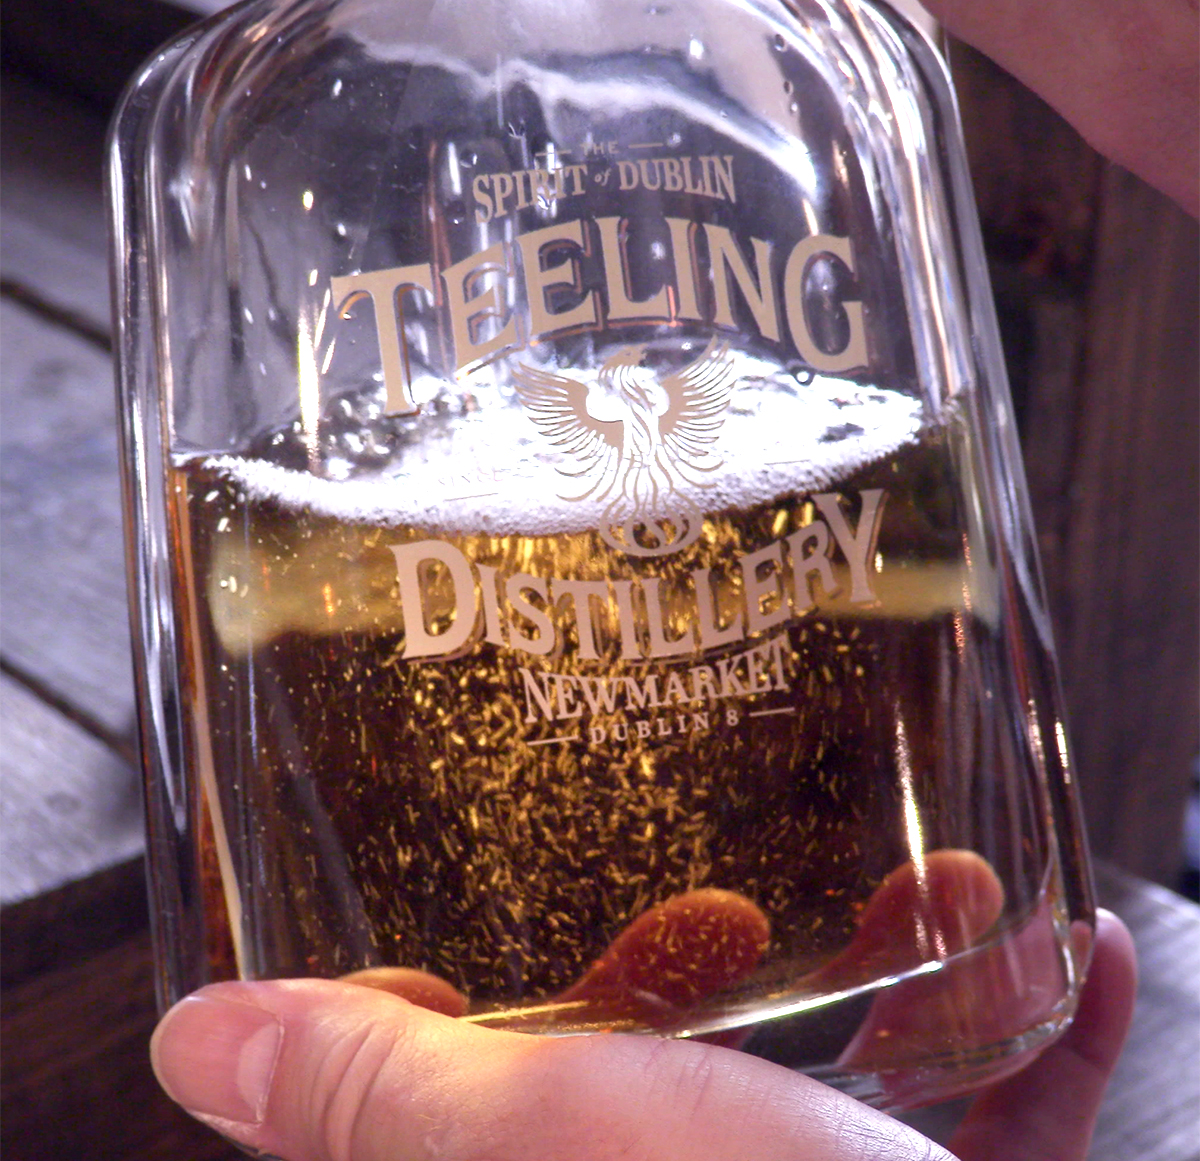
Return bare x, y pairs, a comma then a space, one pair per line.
944, 1077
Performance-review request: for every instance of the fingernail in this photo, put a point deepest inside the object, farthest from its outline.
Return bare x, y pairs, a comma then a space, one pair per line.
216, 1057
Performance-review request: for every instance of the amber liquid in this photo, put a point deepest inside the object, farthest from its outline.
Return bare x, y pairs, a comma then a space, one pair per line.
372, 809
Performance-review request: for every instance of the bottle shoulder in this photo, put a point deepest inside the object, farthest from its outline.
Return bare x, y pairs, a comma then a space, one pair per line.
261, 58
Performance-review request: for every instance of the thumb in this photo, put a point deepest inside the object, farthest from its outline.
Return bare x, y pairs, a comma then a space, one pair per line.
316, 1070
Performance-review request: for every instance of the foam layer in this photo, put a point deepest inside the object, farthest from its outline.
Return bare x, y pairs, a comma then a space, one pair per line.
493, 471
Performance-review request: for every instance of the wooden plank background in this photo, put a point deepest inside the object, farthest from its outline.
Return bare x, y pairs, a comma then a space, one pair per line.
78, 987
64, 641
1096, 279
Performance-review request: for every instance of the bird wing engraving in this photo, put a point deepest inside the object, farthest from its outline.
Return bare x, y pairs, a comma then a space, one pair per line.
697, 395
557, 404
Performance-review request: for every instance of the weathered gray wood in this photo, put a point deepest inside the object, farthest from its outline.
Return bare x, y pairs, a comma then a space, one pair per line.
77, 1083
72, 923
68, 805
1132, 542
62, 572
1152, 1109
53, 220
87, 47
1096, 282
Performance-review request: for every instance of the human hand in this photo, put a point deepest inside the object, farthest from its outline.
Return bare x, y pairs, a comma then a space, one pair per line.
316, 1070
1126, 75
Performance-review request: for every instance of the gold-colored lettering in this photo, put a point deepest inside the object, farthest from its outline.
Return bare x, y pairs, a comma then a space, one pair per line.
539, 279
722, 171
493, 620
623, 591
672, 174
386, 290
757, 289
857, 545
484, 211
524, 181
854, 354
581, 594
689, 183
660, 644
710, 635
545, 187
515, 587
761, 578
683, 250
468, 310
504, 185
810, 549
621, 305
627, 175
414, 586
577, 174
651, 178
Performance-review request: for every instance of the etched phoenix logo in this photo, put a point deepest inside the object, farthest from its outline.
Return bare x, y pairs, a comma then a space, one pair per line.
642, 440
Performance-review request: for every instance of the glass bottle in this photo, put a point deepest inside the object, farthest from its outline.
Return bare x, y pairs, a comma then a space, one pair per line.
582, 570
